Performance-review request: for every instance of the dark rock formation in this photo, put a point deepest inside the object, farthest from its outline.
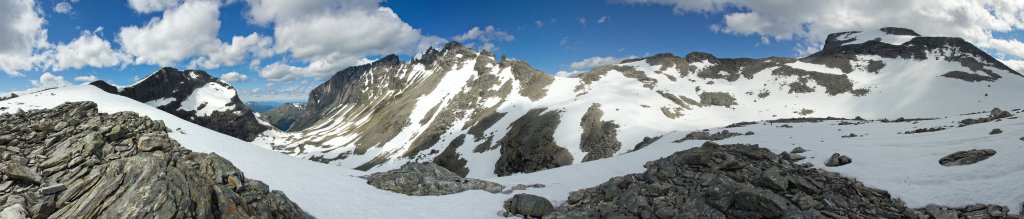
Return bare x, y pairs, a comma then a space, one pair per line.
103, 85
705, 135
530, 145
994, 115
970, 211
599, 137
838, 160
529, 206
730, 181
238, 121
421, 179
966, 157
73, 162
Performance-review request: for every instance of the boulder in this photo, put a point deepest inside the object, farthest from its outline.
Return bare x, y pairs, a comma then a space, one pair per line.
421, 179
15, 211
21, 173
52, 189
791, 156
838, 160
995, 131
966, 157
798, 150
527, 205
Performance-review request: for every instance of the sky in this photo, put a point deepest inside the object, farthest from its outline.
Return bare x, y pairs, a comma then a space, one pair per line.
278, 50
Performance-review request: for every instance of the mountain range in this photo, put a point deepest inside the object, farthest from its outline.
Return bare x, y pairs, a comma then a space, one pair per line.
878, 123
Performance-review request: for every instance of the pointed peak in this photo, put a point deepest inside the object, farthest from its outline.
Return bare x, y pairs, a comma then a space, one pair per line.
453, 45
388, 60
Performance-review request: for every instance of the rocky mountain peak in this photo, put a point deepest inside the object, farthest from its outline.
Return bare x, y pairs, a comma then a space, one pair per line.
700, 57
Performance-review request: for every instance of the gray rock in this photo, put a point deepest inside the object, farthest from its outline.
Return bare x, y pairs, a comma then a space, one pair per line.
798, 150
995, 131
966, 157
838, 160
15, 211
677, 187
791, 156
421, 179
53, 189
529, 206
155, 179
939, 212
22, 173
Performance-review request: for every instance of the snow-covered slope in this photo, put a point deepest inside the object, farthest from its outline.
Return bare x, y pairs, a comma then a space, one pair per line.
906, 165
483, 116
196, 96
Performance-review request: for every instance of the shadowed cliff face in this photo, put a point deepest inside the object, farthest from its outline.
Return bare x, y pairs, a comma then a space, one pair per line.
73, 162
196, 96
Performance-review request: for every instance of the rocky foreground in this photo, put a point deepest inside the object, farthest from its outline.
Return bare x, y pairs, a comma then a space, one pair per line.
735, 181
73, 162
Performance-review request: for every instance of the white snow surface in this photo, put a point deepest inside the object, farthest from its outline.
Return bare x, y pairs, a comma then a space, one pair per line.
215, 96
906, 165
869, 35
160, 102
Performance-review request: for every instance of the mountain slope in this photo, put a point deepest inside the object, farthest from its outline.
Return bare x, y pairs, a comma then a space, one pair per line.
905, 165
282, 117
482, 116
196, 96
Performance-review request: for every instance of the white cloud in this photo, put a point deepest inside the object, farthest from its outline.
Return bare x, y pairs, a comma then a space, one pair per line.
320, 69
235, 53
1016, 65
48, 80
181, 33
87, 78
583, 21
62, 8
88, 50
538, 23
21, 34
485, 37
232, 77
329, 35
592, 62
147, 6
812, 21
603, 19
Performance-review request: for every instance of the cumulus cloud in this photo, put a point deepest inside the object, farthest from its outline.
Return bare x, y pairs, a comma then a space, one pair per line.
236, 52
592, 62
87, 78
809, 24
21, 35
48, 80
329, 35
603, 19
232, 77
147, 6
181, 33
62, 8
88, 50
485, 37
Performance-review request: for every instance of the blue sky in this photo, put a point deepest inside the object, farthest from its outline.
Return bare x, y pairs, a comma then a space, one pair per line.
279, 49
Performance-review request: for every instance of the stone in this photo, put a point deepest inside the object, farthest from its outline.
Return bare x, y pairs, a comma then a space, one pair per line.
966, 157
52, 189
995, 131
838, 160
791, 156
150, 142
529, 205
772, 179
798, 150
21, 173
421, 179
15, 211
939, 212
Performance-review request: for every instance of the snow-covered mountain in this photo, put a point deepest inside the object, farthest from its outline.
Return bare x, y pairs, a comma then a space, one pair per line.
195, 96
483, 116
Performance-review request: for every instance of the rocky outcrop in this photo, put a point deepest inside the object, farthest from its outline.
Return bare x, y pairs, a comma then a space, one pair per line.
599, 137
530, 145
528, 206
706, 135
995, 114
421, 179
169, 89
966, 157
730, 181
282, 117
73, 162
970, 211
